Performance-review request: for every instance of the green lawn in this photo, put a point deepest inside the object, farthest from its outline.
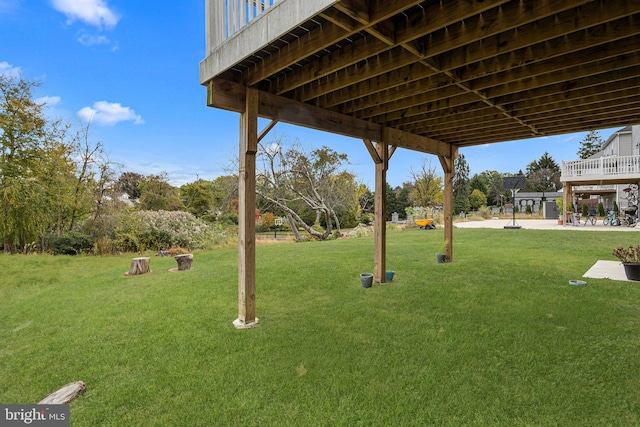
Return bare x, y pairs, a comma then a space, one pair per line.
496, 338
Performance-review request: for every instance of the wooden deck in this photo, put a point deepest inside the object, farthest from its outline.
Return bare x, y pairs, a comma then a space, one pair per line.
604, 170
431, 76
427, 73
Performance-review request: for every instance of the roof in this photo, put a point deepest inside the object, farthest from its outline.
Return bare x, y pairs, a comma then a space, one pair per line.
614, 135
428, 74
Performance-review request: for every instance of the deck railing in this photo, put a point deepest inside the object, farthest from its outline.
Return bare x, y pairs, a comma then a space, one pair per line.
601, 166
227, 17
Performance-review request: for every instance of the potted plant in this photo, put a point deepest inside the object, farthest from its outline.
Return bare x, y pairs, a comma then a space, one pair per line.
442, 256
559, 205
630, 258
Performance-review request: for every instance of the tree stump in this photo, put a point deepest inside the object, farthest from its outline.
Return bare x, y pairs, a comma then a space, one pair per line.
139, 266
184, 261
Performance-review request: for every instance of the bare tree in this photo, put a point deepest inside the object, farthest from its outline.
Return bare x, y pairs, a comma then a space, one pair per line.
314, 178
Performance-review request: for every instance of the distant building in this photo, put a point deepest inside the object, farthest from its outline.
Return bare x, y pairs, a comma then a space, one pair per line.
610, 175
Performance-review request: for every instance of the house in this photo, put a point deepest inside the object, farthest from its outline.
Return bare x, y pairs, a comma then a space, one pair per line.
610, 175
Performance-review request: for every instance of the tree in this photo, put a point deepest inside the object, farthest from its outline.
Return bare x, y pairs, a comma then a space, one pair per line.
129, 182
477, 199
543, 174
198, 197
461, 185
36, 167
94, 178
427, 186
157, 194
479, 182
590, 144
296, 177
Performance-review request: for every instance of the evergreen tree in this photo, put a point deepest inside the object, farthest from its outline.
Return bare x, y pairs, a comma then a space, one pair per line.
543, 174
590, 145
461, 189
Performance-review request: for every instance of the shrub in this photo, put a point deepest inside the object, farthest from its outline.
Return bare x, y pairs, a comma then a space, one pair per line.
70, 243
628, 255
528, 210
601, 211
103, 246
485, 212
585, 210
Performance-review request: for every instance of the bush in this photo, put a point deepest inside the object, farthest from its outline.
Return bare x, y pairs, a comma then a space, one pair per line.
585, 210
601, 211
144, 230
485, 212
71, 243
103, 246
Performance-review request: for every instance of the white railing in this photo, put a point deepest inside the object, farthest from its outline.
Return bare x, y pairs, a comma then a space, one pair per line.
601, 166
227, 17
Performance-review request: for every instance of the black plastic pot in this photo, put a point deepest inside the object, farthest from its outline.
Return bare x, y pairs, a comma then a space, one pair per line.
632, 271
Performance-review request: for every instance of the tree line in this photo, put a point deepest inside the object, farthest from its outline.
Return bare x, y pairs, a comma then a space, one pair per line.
56, 181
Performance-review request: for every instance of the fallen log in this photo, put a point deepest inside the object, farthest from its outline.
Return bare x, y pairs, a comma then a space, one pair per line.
65, 395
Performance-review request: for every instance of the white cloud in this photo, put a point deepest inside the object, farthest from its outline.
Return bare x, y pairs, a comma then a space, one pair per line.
9, 70
109, 113
48, 101
8, 6
91, 12
88, 40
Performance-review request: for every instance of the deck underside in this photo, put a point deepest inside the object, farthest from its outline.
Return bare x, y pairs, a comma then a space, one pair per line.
426, 74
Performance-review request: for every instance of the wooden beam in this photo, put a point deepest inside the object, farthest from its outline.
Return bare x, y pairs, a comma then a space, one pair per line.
330, 34
339, 64
380, 212
247, 213
448, 163
415, 142
231, 96
355, 9
566, 196
372, 151
267, 129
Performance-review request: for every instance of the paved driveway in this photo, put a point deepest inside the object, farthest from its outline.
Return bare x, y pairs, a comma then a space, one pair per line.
539, 224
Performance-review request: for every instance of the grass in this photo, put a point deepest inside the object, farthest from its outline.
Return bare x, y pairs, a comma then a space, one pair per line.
496, 338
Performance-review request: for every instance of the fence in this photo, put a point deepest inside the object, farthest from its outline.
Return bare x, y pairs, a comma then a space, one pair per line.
227, 17
601, 166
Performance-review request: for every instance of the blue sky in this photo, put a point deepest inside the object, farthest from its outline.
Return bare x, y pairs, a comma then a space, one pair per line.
132, 67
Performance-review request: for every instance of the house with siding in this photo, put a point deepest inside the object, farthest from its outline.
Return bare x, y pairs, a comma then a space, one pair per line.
612, 174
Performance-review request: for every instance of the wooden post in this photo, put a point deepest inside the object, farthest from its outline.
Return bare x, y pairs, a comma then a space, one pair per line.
448, 164
380, 212
247, 213
566, 194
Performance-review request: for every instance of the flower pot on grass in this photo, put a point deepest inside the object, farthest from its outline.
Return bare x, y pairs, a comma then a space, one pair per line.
441, 257
366, 279
632, 271
389, 276
630, 258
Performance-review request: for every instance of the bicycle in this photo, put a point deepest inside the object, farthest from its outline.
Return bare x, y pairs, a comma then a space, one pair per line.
591, 218
611, 218
631, 216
